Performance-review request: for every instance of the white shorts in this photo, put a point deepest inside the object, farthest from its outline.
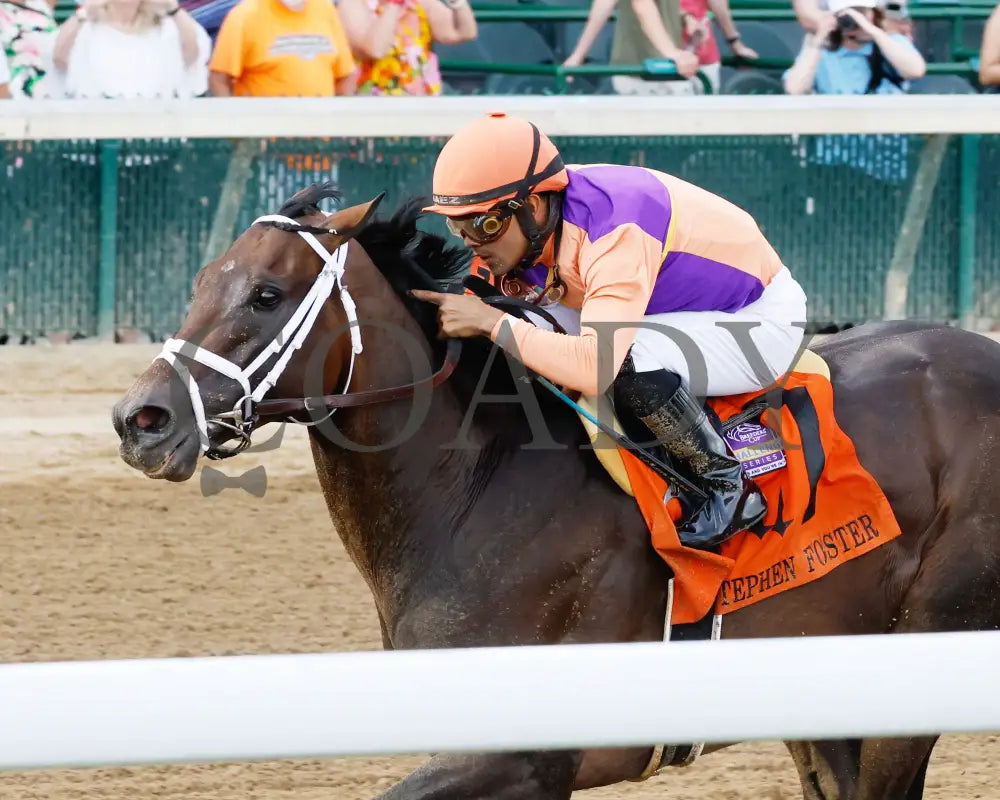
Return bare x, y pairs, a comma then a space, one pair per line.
700, 346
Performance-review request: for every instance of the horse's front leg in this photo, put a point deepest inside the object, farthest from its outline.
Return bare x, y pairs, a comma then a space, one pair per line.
545, 775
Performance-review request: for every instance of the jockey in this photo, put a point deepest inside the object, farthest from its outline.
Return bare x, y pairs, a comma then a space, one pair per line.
604, 247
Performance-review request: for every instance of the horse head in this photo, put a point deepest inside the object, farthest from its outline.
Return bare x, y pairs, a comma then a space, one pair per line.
278, 287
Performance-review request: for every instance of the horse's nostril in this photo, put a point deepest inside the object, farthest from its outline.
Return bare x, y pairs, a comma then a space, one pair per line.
151, 419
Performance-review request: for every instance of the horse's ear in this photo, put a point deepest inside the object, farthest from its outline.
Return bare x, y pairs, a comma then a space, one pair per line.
349, 221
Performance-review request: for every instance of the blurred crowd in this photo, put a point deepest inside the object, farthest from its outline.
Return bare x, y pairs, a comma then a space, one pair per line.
251, 48
320, 48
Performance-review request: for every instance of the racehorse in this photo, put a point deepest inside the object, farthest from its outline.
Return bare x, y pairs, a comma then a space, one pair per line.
470, 532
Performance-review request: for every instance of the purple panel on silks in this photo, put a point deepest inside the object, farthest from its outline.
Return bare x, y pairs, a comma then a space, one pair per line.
536, 275
693, 283
599, 199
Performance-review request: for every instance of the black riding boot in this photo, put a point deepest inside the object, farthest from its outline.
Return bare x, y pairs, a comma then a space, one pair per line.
682, 427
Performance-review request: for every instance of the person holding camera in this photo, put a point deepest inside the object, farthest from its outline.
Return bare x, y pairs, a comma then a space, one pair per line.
851, 53
130, 49
897, 19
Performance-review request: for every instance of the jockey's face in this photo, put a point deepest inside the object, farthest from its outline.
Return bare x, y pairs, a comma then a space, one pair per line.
506, 252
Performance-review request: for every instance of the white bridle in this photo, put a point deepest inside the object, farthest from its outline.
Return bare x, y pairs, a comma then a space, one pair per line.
288, 340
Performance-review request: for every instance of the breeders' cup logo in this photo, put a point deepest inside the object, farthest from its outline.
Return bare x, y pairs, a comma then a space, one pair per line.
747, 432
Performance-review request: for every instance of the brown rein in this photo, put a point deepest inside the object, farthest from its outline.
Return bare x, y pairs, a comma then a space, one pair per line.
285, 407
288, 406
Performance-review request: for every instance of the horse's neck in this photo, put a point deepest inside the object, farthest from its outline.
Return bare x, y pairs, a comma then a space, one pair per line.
388, 503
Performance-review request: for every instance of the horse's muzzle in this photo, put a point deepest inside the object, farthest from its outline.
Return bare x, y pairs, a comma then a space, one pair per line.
153, 442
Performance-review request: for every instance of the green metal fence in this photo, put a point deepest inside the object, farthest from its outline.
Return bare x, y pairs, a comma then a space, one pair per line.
931, 18
103, 235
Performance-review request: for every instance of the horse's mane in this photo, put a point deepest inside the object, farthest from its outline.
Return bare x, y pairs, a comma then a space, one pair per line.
411, 258
407, 257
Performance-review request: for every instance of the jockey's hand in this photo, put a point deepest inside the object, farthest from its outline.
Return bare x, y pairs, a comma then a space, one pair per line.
461, 315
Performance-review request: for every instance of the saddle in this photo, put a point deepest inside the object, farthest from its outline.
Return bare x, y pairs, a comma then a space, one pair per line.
610, 456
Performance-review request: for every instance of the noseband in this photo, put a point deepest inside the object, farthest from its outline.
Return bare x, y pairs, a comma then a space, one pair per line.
251, 407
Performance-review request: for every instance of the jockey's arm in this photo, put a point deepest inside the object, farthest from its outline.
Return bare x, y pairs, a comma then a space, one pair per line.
618, 272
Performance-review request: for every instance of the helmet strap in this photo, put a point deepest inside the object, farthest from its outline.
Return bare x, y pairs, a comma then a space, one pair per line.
538, 235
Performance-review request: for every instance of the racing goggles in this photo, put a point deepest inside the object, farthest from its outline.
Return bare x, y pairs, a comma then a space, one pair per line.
481, 228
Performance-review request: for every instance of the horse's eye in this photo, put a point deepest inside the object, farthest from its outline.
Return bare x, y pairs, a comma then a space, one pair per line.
266, 297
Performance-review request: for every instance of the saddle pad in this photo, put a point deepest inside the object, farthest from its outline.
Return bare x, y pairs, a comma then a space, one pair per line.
824, 509
609, 454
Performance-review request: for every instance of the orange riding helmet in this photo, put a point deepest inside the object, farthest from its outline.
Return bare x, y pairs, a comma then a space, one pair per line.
494, 158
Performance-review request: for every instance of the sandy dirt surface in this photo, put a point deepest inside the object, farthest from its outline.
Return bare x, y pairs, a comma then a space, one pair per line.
100, 562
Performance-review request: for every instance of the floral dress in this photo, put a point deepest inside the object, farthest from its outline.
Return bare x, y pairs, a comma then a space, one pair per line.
27, 34
411, 67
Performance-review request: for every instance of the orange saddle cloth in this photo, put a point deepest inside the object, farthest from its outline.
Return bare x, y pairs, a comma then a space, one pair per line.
823, 507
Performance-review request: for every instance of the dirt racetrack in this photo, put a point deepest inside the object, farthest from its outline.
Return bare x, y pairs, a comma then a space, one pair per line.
100, 562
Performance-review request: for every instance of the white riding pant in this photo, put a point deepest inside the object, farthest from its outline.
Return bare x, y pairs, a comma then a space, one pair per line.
715, 352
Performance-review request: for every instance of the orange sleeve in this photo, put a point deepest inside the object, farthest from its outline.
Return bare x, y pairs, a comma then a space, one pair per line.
618, 272
343, 65
227, 55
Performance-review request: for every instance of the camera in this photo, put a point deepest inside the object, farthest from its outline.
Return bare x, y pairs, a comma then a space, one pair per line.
846, 23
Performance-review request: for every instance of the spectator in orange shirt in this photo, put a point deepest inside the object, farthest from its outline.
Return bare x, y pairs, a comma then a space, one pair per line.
282, 48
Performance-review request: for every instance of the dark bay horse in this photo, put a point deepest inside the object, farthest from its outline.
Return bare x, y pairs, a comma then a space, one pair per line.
471, 534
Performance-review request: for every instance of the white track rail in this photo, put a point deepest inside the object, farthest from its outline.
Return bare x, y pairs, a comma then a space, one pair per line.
442, 116
254, 707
